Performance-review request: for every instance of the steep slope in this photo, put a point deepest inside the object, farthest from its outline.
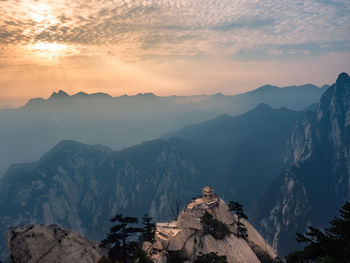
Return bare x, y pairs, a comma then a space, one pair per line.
188, 235
311, 191
28, 132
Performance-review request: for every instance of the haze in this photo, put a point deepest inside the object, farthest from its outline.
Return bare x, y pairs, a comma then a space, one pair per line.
168, 47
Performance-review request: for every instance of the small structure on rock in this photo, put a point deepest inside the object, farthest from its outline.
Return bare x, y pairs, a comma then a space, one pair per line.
209, 197
186, 236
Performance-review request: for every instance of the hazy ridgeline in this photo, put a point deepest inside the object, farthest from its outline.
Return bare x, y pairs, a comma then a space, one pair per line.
118, 122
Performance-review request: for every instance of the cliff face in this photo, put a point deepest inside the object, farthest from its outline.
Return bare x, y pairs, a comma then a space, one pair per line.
50, 243
318, 183
188, 238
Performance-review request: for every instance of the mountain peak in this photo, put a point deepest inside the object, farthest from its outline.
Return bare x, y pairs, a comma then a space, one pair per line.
59, 94
263, 106
147, 94
342, 78
218, 95
81, 94
35, 101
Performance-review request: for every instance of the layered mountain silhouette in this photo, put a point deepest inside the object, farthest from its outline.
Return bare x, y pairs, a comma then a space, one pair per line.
28, 132
244, 158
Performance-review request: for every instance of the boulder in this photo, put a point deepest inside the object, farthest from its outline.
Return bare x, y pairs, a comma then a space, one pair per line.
50, 244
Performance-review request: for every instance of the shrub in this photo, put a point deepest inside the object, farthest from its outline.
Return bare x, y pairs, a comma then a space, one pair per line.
211, 258
214, 227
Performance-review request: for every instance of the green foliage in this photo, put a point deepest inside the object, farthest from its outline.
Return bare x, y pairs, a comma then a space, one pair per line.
214, 227
241, 230
148, 229
117, 241
237, 209
330, 245
211, 258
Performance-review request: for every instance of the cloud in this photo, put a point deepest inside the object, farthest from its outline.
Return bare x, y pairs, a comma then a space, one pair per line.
142, 28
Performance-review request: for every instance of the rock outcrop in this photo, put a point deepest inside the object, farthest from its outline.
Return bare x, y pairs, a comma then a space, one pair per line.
50, 244
186, 236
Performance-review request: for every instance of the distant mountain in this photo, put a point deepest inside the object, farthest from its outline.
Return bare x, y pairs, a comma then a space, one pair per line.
29, 131
230, 145
317, 185
292, 97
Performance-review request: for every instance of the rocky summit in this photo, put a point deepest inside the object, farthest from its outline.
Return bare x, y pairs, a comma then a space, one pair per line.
187, 236
50, 244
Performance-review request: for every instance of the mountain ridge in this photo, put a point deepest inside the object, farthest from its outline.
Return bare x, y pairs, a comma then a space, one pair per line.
28, 132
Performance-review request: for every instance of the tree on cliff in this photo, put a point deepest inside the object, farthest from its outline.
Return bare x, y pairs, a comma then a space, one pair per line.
237, 209
214, 227
121, 249
330, 245
148, 229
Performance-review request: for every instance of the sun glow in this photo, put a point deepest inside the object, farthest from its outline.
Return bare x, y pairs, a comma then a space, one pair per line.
50, 53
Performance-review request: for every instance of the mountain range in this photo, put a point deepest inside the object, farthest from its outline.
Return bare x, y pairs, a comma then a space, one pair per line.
28, 132
277, 162
80, 187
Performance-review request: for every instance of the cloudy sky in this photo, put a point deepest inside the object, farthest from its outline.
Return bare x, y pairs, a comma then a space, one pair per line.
168, 46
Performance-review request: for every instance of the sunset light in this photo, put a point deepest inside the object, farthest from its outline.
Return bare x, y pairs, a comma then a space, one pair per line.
49, 52
135, 131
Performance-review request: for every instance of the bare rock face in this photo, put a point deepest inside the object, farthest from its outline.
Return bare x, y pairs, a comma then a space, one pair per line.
186, 237
50, 244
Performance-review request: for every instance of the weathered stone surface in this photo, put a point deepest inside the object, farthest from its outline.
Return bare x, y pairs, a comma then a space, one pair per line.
50, 244
147, 247
257, 242
177, 241
160, 257
187, 237
235, 249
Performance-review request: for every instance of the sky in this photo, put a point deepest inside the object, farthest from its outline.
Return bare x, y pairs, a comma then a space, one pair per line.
167, 47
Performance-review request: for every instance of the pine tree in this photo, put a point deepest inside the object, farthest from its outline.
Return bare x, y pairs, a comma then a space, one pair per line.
330, 245
237, 209
117, 241
148, 229
214, 227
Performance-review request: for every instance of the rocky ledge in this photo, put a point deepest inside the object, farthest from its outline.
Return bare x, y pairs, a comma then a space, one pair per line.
50, 244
